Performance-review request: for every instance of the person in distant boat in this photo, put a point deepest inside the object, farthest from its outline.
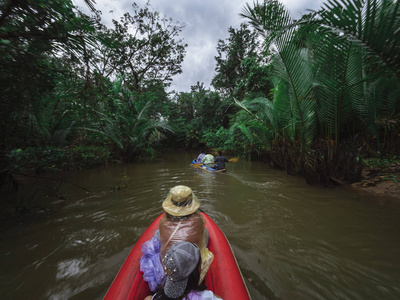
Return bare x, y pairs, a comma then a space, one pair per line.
208, 159
220, 161
200, 157
182, 268
181, 222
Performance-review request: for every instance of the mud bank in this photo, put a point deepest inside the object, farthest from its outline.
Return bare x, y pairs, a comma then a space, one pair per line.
384, 182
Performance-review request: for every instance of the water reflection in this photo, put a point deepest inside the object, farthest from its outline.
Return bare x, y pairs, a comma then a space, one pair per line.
292, 240
71, 268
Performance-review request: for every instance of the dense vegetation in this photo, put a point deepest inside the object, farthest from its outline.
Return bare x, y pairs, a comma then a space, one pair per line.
336, 87
313, 96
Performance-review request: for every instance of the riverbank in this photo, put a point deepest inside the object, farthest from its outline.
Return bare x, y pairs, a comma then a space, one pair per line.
384, 182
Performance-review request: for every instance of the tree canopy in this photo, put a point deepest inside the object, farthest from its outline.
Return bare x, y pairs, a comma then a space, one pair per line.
313, 96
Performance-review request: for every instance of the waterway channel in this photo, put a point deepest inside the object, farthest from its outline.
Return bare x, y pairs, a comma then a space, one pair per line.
291, 240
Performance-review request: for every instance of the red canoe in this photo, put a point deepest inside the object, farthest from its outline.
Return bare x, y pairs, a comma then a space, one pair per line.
223, 277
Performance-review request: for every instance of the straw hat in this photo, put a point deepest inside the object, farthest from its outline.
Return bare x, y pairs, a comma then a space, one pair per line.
181, 201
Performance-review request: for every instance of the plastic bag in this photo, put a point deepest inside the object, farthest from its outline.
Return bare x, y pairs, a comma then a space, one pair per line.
190, 229
150, 264
206, 259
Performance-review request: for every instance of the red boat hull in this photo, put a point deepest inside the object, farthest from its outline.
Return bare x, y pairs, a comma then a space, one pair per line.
223, 277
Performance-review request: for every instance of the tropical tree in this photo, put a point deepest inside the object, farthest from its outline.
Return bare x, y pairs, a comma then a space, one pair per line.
194, 114
60, 70
144, 46
33, 34
327, 70
230, 69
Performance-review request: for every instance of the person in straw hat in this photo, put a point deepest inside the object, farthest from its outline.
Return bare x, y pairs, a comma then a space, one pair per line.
183, 222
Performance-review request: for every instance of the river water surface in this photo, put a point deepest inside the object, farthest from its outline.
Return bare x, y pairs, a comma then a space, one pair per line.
291, 240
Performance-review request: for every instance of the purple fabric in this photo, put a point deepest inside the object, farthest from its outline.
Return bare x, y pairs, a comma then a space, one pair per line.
194, 296
200, 157
150, 263
191, 296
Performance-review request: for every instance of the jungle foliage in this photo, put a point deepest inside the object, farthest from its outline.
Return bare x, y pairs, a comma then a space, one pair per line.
336, 87
313, 96
70, 82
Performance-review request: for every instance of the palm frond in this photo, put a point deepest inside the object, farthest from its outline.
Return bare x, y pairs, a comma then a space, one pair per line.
373, 23
248, 107
91, 4
117, 85
269, 18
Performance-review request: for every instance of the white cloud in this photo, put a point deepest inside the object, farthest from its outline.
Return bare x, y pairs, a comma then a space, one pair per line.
206, 22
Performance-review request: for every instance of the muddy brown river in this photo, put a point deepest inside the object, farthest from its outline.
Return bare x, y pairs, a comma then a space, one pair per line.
291, 240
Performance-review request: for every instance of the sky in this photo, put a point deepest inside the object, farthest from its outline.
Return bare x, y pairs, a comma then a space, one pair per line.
206, 21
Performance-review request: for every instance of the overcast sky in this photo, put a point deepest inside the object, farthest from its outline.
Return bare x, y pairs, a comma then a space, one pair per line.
207, 21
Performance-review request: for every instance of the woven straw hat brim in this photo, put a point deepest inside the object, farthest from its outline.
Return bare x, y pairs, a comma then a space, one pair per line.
180, 211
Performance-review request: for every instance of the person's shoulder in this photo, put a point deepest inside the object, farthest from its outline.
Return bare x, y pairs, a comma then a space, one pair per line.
163, 218
198, 215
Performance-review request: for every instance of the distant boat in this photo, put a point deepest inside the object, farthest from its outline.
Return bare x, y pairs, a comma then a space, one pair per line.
204, 167
223, 277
